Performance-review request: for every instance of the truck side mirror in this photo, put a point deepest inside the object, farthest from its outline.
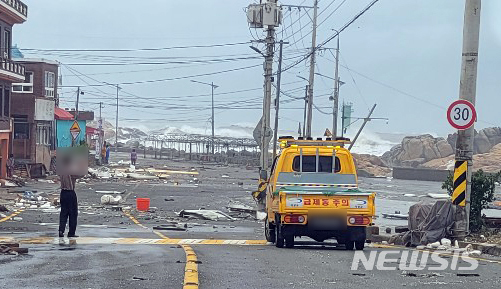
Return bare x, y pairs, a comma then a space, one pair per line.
263, 174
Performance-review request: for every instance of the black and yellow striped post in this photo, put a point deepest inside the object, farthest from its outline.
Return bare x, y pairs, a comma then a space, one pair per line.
459, 183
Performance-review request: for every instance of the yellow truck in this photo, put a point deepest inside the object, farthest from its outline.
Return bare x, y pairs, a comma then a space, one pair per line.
313, 191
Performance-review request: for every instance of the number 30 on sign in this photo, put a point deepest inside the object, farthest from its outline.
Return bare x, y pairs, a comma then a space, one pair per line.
461, 114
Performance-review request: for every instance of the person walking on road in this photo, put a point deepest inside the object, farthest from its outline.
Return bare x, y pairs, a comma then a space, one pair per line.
133, 157
103, 154
69, 205
10, 166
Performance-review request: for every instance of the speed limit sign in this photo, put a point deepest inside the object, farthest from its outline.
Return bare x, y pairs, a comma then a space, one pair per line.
461, 114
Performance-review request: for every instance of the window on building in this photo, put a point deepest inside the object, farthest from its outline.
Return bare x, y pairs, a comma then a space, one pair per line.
26, 86
21, 127
50, 79
6, 44
43, 134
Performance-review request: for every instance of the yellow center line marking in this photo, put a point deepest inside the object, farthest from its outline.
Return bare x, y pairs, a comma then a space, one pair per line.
11, 216
191, 267
132, 241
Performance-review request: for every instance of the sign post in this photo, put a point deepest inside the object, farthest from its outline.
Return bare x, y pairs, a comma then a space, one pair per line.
461, 114
75, 131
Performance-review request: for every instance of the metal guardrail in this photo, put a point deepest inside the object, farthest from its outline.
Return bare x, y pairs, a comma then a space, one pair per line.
18, 5
11, 66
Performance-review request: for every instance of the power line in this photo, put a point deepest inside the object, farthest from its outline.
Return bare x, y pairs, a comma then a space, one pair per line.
174, 78
332, 37
140, 49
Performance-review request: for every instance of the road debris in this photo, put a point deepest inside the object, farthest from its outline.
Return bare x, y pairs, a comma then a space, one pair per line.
12, 249
110, 200
111, 192
438, 196
468, 275
169, 227
3, 208
396, 215
213, 215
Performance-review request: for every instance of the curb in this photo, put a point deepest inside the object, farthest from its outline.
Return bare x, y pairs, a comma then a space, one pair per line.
485, 248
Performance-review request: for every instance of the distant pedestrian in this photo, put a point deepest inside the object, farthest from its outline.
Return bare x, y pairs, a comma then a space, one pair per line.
108, 150
133, 157
103, 154
10, 166
69, 205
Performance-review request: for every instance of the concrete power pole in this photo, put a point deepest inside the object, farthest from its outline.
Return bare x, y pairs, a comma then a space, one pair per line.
212, 118
277, 104
312, 71
335, 106
101, 135
116, 123
268, 74
467, 91
78, 100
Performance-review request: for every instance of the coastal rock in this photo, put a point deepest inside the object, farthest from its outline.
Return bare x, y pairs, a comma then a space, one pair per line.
414, 151
371, 166
418, 151
488, 162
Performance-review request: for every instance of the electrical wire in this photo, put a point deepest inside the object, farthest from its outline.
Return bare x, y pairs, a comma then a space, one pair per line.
142, 49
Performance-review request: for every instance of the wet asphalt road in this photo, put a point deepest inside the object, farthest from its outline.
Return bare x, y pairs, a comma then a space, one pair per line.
220, 266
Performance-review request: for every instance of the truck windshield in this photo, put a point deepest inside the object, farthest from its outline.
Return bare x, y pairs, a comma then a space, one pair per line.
309, 164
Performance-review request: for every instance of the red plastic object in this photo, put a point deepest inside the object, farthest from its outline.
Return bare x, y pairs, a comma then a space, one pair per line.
143, 204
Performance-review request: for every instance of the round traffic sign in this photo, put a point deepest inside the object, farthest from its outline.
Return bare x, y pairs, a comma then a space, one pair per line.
461, 114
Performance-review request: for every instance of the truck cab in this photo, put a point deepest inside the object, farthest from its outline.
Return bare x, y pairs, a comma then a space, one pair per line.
313, 191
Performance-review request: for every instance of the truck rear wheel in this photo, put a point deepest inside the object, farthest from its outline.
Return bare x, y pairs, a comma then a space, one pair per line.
279, 240
269, 231
359, 245
289, 241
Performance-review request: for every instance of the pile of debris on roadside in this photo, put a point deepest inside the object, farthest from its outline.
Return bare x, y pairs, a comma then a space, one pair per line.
12, 249
124, 171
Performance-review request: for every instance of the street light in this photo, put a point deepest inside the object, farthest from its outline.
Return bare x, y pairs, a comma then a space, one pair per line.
257, 50
213, 86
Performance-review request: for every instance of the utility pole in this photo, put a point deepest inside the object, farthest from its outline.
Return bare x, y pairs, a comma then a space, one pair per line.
78, 100
277, 104
312, 70
116, 124
213, 86
467, 91
265, 15
342, 120
268, 72
367, 119
100, 137
335, 106
305, 110
212, 118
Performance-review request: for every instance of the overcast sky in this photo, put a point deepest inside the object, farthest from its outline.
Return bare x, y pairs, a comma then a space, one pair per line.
405, 55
